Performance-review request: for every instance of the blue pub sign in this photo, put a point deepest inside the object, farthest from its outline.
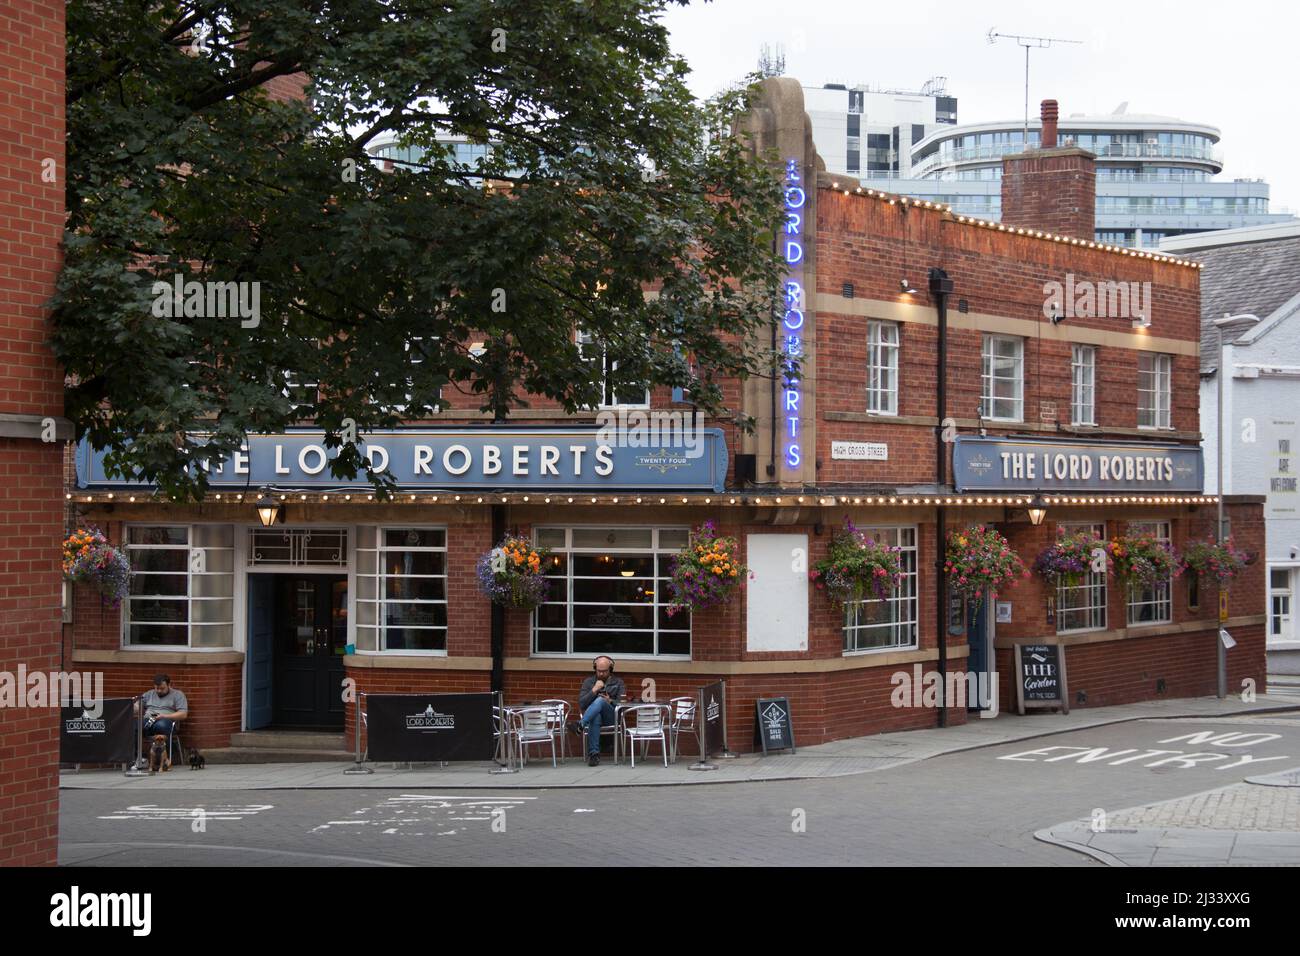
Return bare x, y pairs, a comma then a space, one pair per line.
518, 458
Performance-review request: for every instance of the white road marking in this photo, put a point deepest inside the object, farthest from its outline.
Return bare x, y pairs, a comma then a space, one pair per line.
421, 814
149, 811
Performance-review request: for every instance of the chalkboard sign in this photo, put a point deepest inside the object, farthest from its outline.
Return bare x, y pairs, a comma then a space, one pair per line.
773, 726
1040, 677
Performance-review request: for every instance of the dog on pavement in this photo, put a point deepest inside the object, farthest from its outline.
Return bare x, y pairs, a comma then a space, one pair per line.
196, 759
160, 758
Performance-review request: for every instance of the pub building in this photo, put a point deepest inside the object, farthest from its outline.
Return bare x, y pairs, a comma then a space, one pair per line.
945, 383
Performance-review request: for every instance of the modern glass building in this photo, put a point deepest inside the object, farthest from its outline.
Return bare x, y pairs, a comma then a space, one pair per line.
1156, 175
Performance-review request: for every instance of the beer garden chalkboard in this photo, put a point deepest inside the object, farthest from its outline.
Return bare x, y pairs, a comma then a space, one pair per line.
1040, 677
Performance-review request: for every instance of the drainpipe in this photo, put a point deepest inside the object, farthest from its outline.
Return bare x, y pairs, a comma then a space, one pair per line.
498, 611
940, 289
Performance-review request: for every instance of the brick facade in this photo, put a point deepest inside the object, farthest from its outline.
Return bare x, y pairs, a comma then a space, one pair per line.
871, 241
32, 179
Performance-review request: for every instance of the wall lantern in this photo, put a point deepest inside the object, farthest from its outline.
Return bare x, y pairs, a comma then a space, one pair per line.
268, 510
1037, 510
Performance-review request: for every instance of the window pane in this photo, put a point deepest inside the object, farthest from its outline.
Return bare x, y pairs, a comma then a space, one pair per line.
162, 536
415, 538
612, 538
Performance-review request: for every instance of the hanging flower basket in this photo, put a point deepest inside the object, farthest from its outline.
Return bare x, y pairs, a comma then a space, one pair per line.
513, 574
980, 561
706, 573
856, 565
1068, 559
88, 558
1142, 560
1209, 559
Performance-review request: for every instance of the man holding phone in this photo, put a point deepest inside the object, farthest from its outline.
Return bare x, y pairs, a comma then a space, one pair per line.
596, 700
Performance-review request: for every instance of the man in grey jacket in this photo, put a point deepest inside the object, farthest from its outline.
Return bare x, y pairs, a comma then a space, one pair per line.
596, 701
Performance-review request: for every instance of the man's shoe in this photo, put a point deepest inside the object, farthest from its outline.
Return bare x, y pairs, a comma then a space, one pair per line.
593, 760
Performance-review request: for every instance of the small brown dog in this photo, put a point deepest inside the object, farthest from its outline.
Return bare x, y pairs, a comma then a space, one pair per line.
160, 758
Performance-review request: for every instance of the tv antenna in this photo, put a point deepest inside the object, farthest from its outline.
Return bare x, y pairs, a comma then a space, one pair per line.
1029, 43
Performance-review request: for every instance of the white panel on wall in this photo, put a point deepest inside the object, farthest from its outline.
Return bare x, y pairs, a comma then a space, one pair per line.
776, 598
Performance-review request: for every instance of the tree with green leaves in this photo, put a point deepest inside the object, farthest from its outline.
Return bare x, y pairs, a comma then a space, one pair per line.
604, 178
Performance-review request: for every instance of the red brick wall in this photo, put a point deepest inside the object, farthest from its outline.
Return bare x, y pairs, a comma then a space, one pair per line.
213, 691
870, 243
31, 502
1052, 190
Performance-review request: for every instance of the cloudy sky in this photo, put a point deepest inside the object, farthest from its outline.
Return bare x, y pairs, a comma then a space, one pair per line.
1230, 65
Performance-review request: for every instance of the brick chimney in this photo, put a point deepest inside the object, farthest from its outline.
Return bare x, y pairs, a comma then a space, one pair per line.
1052, 188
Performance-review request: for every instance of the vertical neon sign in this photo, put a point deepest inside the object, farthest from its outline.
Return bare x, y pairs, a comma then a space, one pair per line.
795, 200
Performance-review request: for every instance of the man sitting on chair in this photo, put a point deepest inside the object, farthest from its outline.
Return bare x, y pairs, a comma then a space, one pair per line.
164, 707
596, 701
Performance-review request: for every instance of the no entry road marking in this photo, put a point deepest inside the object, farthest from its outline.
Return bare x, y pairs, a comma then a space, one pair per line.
1153, 757
149, 811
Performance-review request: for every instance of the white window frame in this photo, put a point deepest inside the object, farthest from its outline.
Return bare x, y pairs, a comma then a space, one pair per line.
586, 341
988, 377
1159, 598
400, 409
380, 600
882, 367
1154, 391
662, 553
189, 599
1083, 385
1282, 621
1092, 588
905, 600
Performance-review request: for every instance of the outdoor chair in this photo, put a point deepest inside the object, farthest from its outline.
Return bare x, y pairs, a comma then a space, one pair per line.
532, 726
650, 724
681, 717
560, 724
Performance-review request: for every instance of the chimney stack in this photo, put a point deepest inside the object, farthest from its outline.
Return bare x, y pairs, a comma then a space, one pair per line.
1052, 188
1049, 114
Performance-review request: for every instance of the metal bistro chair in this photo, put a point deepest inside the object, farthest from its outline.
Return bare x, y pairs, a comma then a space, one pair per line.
681, 717
502, 732
560, 724
534, 725
651, 724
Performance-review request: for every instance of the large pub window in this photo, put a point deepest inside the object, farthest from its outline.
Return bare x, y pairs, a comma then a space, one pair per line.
402, 589
182, 590
609, 593
1154, 604
872, 623
1081, 606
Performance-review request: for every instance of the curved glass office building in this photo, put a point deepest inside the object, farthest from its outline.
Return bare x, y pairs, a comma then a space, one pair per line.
1157, 176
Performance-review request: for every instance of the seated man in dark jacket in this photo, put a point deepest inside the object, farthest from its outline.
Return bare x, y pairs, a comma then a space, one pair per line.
596, 701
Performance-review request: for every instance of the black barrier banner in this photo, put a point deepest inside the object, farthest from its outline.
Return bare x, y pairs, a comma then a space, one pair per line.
108, 738
425, 727
711, 717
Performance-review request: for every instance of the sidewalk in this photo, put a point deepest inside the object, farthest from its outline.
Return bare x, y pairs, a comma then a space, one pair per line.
1256, 823
836, 759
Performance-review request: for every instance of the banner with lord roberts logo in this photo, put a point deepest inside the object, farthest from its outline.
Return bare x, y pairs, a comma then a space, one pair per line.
427, 727
1028, 465
108, 737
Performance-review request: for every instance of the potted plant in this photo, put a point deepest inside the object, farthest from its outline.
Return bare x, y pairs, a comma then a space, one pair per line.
1209, 559
1068, 558
706, 573
980, 561
512, 573
88, 558
1142, 560
855, 565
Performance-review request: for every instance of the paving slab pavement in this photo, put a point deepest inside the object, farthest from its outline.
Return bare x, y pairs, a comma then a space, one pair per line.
839, 758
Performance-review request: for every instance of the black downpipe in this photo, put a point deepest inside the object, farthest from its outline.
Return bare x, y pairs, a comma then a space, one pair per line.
940, 289
498, 611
